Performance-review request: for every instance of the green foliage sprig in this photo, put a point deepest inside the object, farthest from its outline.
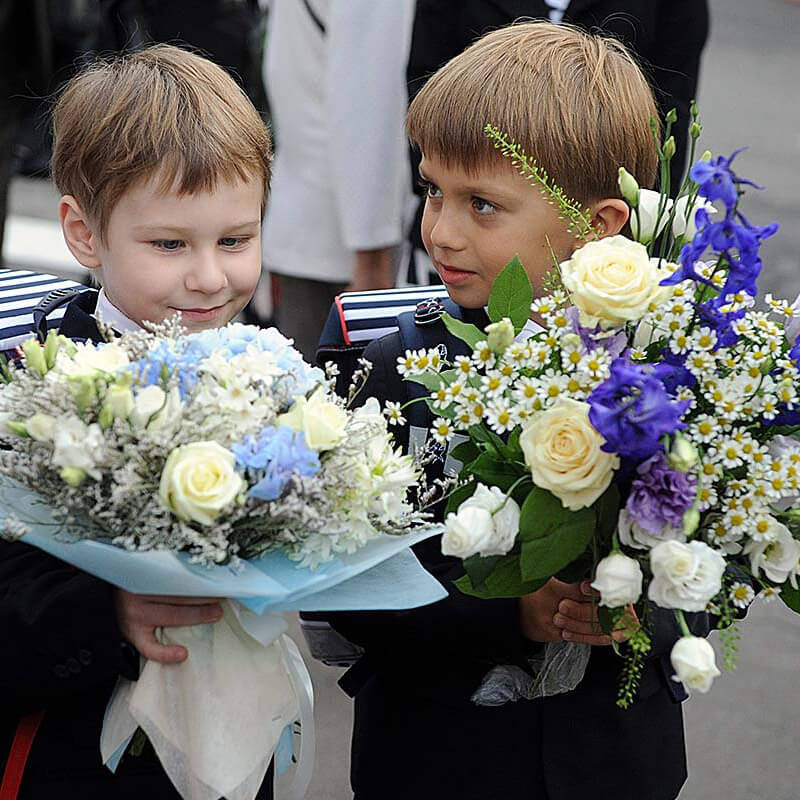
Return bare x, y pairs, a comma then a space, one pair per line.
639, 646
578, 217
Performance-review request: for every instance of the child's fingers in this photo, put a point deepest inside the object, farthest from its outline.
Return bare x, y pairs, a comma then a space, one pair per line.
599, 640
153, 650
174, 600
161, 615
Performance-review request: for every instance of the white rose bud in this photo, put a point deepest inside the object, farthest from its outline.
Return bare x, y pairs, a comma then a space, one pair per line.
685, 575
614, 281
692, 659
563, 452
619, 580
628, 187
120, 401
644, 218
321, 422
683, 223
500, 335
154, 409
682, 455
199, 481
41, 427
505, 518
466, 532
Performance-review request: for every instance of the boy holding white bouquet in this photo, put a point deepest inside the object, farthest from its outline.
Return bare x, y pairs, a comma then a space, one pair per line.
580, 107
164, 168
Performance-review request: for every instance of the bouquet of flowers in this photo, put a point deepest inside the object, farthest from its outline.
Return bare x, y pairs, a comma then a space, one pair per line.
221, 464
647, 436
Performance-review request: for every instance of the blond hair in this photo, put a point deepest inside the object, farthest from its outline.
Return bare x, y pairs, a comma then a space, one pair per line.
577, 103
162, 113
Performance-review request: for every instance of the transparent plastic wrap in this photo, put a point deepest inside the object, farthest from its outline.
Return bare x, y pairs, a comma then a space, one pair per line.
558, 668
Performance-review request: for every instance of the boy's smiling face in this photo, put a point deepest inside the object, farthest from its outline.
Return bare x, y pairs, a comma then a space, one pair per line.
197, 254
475, 223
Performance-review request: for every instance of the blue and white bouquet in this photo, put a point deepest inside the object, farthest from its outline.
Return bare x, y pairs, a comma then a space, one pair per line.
647, 437
212, 464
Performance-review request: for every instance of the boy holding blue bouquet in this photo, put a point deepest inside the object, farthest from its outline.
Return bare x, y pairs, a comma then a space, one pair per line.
580, 107
164, 168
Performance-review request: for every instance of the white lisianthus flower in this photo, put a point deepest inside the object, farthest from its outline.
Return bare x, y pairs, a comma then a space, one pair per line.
645, 216
78, 445
41, 427
563, 452
322, 422
154, 409
633, 535
683, 224
685, 575
500, 335
619, 580
486, 524
120, 401
692, 659
613, 281
88, 359
777, 555
199, 481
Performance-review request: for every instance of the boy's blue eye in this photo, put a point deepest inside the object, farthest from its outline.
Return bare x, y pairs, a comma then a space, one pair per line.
168, 244
431, 189
232, 241
482, 206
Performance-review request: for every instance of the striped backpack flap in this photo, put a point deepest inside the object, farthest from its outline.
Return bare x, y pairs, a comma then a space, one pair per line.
21, 291
358, 318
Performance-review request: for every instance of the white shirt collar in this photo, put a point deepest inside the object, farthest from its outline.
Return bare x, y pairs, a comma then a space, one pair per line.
528, 330
112, 316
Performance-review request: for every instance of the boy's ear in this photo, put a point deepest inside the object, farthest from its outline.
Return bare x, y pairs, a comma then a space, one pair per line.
609, 216
78, 233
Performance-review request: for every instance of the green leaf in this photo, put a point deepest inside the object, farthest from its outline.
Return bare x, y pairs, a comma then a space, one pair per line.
607, 618
479, 568
466, 452
488, 437
468, 333
606, 508
495, 472
552, 536
791, 597
459, 496
511, 295
505, 580
432, 380
578, 570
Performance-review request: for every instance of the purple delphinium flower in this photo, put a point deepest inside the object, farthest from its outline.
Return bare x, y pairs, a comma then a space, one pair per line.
632, 411
660, 495
275, 455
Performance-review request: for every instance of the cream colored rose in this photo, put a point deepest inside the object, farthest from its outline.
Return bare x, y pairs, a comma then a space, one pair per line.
321, 422
199, 481
613, 281
562, 450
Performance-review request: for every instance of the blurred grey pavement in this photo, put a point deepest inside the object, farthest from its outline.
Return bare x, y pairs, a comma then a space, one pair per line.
743, 736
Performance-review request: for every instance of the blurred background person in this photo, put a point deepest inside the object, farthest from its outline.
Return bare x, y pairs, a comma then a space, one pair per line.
335, 79
668, 37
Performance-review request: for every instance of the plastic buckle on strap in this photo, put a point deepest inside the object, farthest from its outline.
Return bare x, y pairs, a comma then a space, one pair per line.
49, 303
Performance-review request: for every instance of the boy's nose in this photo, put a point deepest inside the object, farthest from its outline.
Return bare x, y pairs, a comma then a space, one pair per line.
446, 230
207, 274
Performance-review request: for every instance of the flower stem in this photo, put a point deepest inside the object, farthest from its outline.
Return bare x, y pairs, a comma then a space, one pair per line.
682, 622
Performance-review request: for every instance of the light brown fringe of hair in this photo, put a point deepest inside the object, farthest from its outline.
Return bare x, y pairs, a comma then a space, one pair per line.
162, 113
577, 103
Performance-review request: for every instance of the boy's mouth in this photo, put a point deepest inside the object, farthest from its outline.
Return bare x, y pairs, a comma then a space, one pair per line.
452, 275
199, 314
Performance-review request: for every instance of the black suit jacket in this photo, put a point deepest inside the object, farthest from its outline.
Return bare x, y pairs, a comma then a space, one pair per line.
63, 651
417, 733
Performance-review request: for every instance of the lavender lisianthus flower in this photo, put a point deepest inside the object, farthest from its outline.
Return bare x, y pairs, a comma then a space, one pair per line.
275, 455
596, 338
660, 495
632, 411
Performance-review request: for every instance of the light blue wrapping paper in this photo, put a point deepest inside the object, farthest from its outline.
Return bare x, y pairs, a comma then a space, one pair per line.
382, 575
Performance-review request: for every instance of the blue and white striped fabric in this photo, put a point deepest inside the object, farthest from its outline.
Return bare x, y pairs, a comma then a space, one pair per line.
20, 291
369, 315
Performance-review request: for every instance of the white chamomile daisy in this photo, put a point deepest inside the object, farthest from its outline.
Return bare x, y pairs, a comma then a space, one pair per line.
394, 413
499, 416
769, 593
741, 595
483, 356
442, 430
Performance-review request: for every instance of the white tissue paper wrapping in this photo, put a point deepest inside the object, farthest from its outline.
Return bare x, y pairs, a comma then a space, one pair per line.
215, 719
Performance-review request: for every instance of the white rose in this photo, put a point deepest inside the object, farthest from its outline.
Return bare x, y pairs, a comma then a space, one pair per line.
632, 535
613, 281
500, 335
685, 576
107, 358
643, 217
154, 409
683, 224
78, 445
619, 580
505, 518
562, 450
41, 427
693, 661
321, 422
198, 481
466, 532
777, 555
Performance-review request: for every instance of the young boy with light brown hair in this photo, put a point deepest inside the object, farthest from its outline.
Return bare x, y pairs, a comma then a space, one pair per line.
424, 726
164, 167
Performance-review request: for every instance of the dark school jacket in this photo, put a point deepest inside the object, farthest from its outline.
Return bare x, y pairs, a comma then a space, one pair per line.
416, 731
62, 650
